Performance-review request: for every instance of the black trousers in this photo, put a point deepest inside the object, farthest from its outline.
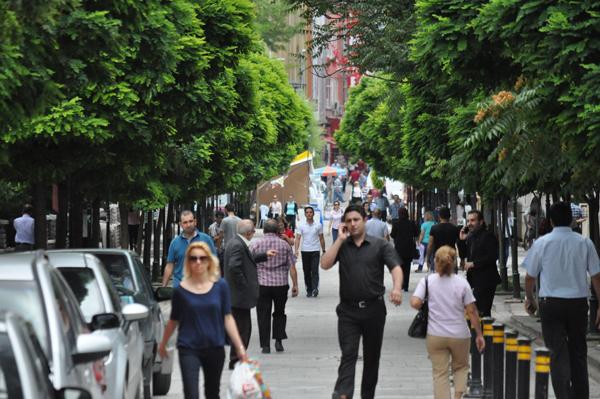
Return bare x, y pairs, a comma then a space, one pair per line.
211, 361
564, 326
310, 266
406, 264
268, 298
291, 219
354, 323
484, 297
244, 325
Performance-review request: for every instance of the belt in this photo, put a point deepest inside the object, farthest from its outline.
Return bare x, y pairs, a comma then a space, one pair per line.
365, 303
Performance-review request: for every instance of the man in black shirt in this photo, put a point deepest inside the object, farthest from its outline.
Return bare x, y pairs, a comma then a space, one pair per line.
361, 311
443, 233
481, 247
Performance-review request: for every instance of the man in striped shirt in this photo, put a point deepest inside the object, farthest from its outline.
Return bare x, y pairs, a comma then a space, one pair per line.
273, 285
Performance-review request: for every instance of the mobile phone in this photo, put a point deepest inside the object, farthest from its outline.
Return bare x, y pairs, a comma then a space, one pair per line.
465, 229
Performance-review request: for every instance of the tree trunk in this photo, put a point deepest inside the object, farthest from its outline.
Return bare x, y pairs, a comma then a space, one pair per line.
503, 242
124, 226
594, 207
75, 217
62, 219
515, 251
158, 229
168, 235
40, 191
147, 223
95, 233
108, 240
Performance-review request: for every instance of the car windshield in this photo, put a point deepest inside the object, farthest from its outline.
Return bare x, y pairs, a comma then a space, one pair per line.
84, 285
117, 267
22, 298
10, 385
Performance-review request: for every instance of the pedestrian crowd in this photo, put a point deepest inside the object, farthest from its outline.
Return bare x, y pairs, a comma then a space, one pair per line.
219, 277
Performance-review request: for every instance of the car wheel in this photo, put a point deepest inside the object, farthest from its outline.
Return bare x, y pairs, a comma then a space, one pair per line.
161, 383
148, 383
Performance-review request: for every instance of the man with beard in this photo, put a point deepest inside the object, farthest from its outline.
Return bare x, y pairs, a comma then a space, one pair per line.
481, 247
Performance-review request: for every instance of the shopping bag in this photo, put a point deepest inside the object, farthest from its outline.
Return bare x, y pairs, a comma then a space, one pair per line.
246, 382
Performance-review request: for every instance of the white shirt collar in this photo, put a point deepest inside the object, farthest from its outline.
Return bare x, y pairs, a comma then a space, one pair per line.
245, 240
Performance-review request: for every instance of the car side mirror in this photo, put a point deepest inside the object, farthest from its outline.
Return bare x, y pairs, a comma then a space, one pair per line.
135, 311
163, 294
73, 393
104, 321
91, 347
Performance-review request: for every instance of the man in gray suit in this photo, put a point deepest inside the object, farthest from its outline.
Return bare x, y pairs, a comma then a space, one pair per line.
240, 273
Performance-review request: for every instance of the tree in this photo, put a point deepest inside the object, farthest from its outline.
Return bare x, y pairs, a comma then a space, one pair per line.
272, 23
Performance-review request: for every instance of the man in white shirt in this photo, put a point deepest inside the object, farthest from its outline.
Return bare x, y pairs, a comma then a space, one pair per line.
310, 233
24, 226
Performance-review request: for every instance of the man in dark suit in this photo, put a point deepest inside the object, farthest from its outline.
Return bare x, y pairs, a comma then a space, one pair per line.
240, 273
481, 247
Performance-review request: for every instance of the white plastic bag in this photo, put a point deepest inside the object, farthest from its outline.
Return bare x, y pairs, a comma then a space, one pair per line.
243, 384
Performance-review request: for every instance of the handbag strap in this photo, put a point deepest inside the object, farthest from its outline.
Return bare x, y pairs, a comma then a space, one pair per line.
426, 289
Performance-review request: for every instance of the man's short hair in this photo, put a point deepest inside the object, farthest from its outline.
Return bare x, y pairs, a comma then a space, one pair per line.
186, 212
444, 213
478, 213
28, 209
560, 214
355, 208
219, 214
307, 207
229, 208
377, 213
271, 226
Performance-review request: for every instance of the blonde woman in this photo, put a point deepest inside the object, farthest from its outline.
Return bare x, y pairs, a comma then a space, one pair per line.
201, 309
448, 336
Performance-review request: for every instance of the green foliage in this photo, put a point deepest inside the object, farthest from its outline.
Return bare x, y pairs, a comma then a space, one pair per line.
143, 101
272, 23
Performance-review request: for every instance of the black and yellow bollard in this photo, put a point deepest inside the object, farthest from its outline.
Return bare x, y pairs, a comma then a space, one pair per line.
542, 372
475, 383
488, 365
498, 356
512, 348
523, 367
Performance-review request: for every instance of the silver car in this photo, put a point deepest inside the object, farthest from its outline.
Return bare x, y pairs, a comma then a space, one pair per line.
24, 371
133, 284
102, 310
33, 289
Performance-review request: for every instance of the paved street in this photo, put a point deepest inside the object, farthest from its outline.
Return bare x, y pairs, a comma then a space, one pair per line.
308, 367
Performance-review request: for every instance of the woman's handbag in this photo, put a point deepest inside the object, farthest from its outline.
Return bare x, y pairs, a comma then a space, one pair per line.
418, 327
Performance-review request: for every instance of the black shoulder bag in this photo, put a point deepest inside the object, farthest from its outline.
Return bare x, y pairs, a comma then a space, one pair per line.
418, 327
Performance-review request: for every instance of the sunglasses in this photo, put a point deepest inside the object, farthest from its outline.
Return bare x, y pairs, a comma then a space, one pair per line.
200, 258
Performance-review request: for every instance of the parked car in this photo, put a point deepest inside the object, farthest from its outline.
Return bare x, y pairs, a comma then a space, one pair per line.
31, 288
133, 283
101, 308
24, 371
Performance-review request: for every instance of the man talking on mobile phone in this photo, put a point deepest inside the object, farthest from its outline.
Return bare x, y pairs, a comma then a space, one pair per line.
361, 311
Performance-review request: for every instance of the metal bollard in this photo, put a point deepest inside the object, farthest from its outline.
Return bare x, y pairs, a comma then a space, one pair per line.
542, 372
488, 365
512, 347
475, 383
498, 356
523, 360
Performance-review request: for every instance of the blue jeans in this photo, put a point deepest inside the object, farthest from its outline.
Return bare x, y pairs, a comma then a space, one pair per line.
334, 234
211, 361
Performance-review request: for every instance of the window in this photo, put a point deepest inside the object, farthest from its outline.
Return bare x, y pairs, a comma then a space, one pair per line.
22, 298
117, 267
10, 384
84, 285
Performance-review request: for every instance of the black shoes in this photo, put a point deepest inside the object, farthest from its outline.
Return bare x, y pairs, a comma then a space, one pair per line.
308, 294
278, 346
315, 293
267, 349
